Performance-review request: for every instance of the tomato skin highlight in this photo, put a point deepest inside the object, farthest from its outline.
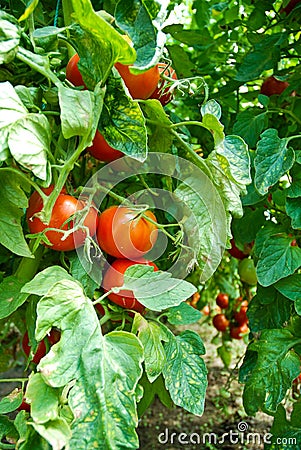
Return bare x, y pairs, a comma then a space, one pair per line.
72, 71
114, 277
162, 92
272, 86
142, 85
222, 300
64, 207
102, 151
220, 322
123, 235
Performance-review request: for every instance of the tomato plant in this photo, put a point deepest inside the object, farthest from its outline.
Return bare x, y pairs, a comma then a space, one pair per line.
101, 150
114, 277
123, 233
163, 91
140, 85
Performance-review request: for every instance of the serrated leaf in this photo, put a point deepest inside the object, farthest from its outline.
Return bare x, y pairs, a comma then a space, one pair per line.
249, 124
11, 296
133, 18
160, 139
183, 314
293, 209
45, 280
268, 309
29, 141
10, 37
185, 373
80, 274
277, 259
235, 151
156, 290
152, 335
122, 122
290, 287
273, 372
273, 159
43, 399
13, 203
113, 363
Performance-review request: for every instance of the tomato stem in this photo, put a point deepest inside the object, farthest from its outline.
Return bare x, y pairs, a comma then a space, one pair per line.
28, 266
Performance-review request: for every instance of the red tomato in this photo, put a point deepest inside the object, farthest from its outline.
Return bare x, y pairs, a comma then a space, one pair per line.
141, 85
272, 86
206, 310
290, 6
162, 91
235, 252
237, 332
72, 72
114, 278
102, 151
220, 322
53, 338
123, 235
24, 406
241, 315
222, 300
64, 207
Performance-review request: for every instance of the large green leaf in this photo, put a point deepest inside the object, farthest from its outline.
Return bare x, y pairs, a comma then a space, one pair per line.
273, 159
11, 402
271, 375
160, 138
10, 37
11, 296
185, 372
290, 287
249, 124
12, 205
286, 434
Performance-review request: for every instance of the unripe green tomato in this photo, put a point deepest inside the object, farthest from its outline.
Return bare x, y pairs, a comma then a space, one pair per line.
247, 271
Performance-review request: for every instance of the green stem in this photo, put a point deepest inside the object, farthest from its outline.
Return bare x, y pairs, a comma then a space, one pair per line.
27, 57
28, 267
13, 380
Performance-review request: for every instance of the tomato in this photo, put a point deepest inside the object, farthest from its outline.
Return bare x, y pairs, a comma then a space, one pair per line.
206, 310
123, 235
241, 315
141, 85
194, 299
237, 332
222, 300
247, 271
162, 91
53, 337
102, 151
272, 86
64, 207
72, 72
220, 322
114, 276
290, 6
24, 406
235, 252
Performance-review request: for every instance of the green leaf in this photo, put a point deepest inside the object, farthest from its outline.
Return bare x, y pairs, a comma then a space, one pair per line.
152, 335
268, 309
293, 209
45, 280
29, 141
11, 296
31, 6
249, 124
273, 159
213, 108
185, 372
78, 119
286, 434
7, 429
133, 18
43, 399
122, 122
56, 432
160, 138
246, 228
273, 372
113, 363
13, 203
290, 287
155, 290
11, 402
277, 259
10, 37
264, 56
183, 314
216, 128
235, 151
80, 274
11, 110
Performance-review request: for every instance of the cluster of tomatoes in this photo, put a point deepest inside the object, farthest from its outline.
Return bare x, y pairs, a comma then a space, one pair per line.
151, 84
234, 318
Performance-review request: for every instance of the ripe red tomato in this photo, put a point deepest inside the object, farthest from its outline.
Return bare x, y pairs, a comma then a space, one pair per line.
64, 207
24, 406
123, 235
141, 85
72, 72
247, 271
222, 300
220, 322
162, 91
235, 252
241, 315
102, 151
53, 338
114, 278
237, 332
272, 86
